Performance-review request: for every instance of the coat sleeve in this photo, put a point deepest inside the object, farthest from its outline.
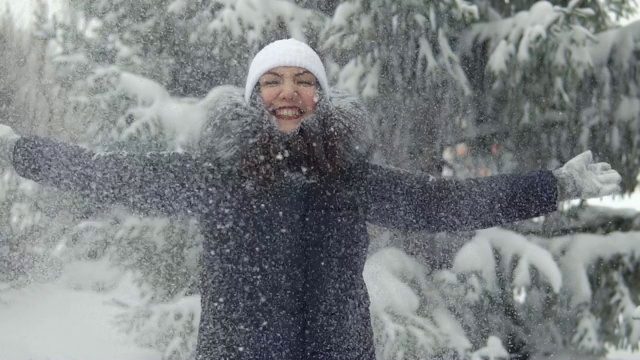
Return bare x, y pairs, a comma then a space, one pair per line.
414, 202
152, 183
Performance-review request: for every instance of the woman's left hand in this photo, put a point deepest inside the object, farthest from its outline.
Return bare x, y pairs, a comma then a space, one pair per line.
581, 178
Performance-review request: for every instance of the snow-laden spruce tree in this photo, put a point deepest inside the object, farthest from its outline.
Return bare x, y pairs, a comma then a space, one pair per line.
606, 13
557, 85
31, 225
543, 86
609, 101
512, 296
215, 40
400, 55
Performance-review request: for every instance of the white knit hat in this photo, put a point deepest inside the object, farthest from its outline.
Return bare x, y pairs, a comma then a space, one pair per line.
289, 52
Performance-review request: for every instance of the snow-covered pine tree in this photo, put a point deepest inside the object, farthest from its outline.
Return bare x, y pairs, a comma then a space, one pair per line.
607, 13
526, 73
609, 101
215, 40
600, 112
596, 249
400, 55
327, 7
31, 225
543, 89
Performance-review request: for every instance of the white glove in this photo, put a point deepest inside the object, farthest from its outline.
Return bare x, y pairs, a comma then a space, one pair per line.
581, 178
636, 314
8, 139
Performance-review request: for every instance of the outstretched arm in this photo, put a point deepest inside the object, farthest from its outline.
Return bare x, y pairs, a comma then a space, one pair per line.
407, 201
411, 201
154, 182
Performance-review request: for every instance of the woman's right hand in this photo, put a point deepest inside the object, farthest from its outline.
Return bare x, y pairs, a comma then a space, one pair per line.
8, 139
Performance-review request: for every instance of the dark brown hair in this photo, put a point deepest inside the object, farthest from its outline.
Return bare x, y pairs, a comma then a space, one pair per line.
309, 151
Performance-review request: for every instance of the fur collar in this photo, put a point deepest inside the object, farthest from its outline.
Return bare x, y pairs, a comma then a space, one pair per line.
334, 138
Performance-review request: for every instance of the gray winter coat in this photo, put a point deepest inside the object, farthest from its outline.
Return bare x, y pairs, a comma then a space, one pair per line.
284, 219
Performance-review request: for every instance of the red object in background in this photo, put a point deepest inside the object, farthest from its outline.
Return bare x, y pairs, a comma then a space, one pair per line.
495, 149
483, 171
462, 149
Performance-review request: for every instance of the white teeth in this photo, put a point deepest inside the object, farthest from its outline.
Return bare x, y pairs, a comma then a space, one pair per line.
288, 112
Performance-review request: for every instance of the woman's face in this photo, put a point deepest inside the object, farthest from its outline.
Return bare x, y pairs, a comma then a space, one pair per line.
289, 94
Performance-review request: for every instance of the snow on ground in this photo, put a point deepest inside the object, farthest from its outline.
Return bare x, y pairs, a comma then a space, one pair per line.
63, 321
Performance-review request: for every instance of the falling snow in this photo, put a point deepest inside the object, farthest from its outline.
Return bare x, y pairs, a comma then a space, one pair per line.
454, 89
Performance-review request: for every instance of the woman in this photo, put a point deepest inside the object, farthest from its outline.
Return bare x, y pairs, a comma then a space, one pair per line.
283, 189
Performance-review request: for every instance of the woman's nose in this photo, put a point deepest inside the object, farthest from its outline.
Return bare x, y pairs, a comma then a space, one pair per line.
289, 90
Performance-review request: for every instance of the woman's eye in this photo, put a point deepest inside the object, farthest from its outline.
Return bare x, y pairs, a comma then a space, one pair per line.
307, 83
270, 83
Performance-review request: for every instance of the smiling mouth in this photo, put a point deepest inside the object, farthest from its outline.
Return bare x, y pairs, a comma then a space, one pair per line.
288, 113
